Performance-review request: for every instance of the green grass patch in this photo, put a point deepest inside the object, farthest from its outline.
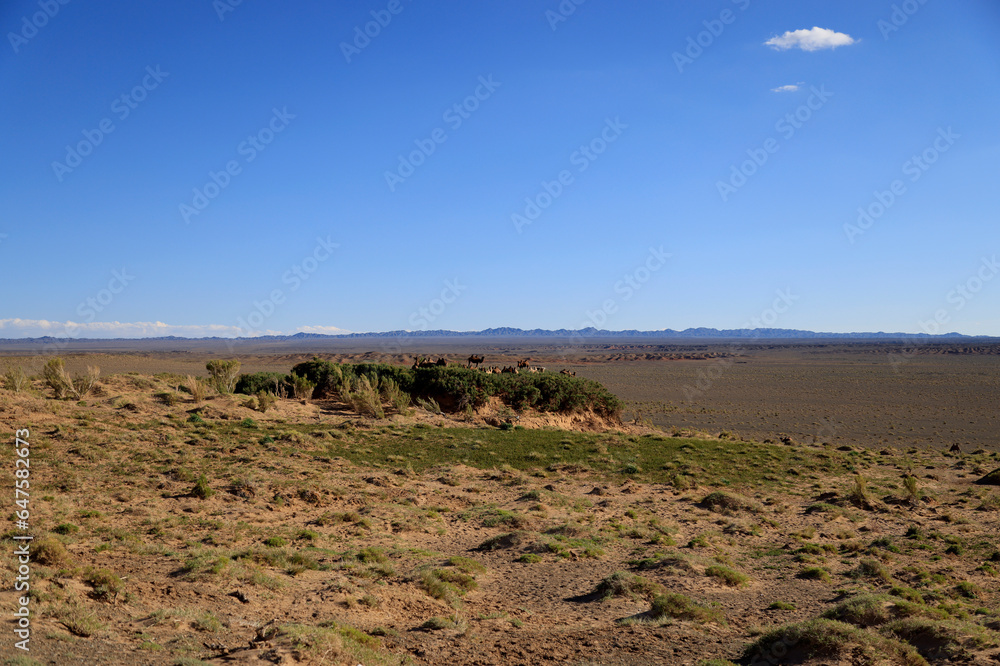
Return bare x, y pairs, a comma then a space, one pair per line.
728, 576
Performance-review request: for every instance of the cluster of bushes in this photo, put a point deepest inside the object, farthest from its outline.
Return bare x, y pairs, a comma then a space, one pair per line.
365, 385
545, 392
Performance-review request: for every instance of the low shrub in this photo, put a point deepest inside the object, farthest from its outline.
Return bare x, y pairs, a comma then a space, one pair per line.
680, 607
15, 380
201, 488
624, 584
302, 387
455, 388
727, 576
265, 401
277, 383
820, 637
726, 502
224, 374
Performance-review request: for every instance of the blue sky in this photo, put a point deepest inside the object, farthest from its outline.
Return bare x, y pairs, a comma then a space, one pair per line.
270, 168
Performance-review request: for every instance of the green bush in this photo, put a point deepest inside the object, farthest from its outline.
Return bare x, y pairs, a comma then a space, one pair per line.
14, 379
201, 488
325, 376
107, 585
224, 374
680, 607
727, 575
302, 387
265, 400
365, 399
456, 388
257, 382
63, 386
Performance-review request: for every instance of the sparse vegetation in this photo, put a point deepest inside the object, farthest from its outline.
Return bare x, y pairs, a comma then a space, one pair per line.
830, 638
271, 507
622, 583
63, 386
727, 575
265, 401
201, 488
679, 607
730, 503
14, 379
224, 374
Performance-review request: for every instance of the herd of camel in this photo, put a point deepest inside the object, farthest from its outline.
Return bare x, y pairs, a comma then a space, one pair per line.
477, 361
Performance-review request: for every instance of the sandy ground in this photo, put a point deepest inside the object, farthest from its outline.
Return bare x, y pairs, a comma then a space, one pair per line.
299, 555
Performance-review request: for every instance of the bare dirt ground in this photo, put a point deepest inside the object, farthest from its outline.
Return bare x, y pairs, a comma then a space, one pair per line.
174, 531
868, 393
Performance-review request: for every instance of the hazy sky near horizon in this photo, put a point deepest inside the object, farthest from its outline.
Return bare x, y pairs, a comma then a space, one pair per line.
221, 168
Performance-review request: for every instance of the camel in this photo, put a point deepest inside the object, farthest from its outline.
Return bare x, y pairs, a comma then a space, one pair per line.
422, 362
476, 360
523, 364
442, 362
568, 373
509, 370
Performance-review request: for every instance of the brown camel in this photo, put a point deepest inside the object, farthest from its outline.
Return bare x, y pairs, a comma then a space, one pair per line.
476, 360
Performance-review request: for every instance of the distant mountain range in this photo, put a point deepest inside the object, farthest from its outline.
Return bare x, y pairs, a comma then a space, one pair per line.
576, 335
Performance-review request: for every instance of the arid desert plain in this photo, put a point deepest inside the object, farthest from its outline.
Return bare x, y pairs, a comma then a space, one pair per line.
750, 502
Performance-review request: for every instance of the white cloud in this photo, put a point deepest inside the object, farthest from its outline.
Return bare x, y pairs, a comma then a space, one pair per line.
813, 39
36, 328
792, 87
322, 330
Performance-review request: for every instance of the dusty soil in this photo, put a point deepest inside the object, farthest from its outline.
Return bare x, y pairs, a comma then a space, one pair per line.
324, 537
867, 393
